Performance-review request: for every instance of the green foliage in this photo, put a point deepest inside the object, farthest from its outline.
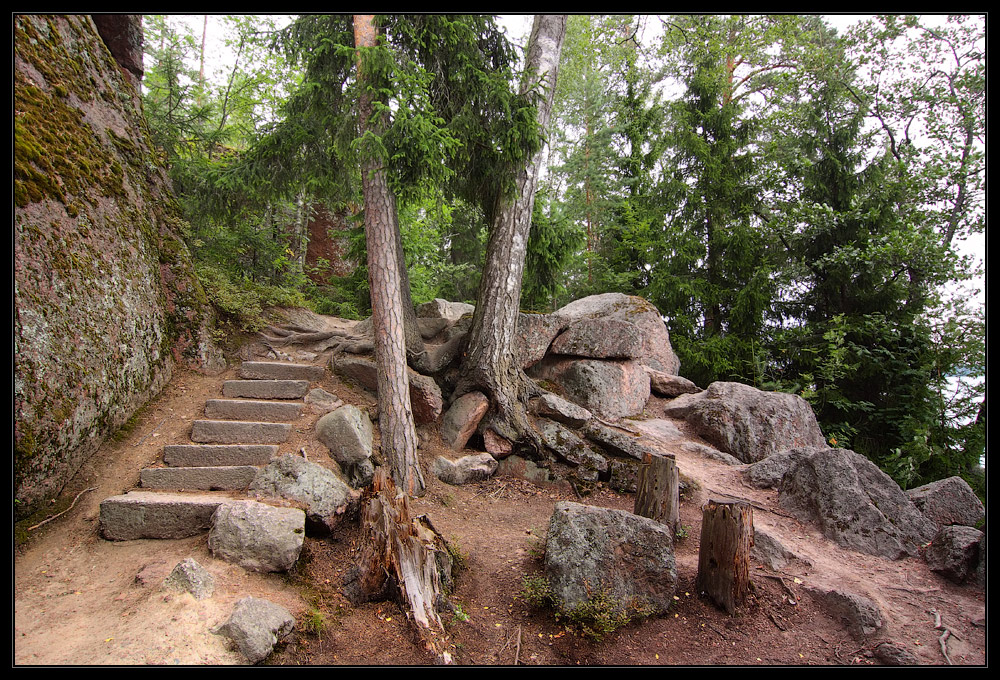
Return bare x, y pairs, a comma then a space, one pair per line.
536, 591
551, 243
241, 302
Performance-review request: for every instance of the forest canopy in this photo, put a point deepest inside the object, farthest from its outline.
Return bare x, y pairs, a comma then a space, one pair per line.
802, 203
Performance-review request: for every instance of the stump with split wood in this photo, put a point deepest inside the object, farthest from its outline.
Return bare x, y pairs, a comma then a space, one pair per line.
657, 493
404, 557
724, 553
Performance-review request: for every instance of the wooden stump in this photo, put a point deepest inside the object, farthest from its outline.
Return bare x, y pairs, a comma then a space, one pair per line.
724, 553
405, 556
657, 493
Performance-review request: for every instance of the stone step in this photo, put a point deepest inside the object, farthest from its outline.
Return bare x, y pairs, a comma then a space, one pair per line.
212, 455
235, 409
225, 478
265, 389
279, 370
153, 514
238, 432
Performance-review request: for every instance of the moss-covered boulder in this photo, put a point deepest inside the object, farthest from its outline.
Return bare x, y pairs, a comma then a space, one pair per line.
105, 297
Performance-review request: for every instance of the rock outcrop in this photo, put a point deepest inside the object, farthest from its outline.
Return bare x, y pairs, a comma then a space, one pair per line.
748, 423
854, 503
105, 296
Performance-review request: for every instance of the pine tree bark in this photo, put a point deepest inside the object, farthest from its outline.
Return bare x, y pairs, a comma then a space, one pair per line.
724, 553
490, 364
399, 439
402, 556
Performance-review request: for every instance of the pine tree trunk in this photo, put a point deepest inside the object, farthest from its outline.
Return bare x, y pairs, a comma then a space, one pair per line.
657, 494
724, 553
399, 440
490, 364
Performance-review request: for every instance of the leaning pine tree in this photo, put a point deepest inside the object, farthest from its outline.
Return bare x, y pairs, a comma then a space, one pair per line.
490, 364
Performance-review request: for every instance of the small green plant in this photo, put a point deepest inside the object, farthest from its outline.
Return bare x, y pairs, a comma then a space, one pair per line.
682, 531
536, 591
315, 622
459, 559
458, 613
600, 615
536, 546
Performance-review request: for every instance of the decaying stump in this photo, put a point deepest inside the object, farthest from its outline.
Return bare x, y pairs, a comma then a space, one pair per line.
402, 556
657, 493
724, 554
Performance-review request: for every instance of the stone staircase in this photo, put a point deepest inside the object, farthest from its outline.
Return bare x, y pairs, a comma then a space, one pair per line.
240, 433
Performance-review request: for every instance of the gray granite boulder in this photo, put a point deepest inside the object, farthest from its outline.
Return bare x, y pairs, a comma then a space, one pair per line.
255, 626
256, 536
955, 552
854, 503
612, 389
948, 501
327, 499
625, 559
748, 423
348, 433
467, 469
599, 338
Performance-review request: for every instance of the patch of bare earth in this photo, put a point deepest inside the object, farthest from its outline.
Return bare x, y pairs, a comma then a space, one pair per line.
81, 600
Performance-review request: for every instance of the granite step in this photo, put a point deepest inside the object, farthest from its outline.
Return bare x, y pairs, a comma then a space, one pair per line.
216, 478
155, 514
279, 370
236, 409
265, 389
215, 455
238, 432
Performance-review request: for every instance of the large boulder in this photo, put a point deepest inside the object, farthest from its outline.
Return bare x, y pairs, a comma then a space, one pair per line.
256, 536
326, 498
625, 560
748, 423
611, 389
948, 501
600, 338
656, 351
349, 435
854, 503
955, 552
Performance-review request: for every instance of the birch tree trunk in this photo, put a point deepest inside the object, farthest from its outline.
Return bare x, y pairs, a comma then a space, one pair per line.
490, 364
399, 439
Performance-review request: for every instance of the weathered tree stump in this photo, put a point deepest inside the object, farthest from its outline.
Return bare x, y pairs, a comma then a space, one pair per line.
724, 553
402, 556
657, 493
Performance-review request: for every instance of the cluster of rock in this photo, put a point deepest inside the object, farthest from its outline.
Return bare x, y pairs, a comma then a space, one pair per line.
605, 355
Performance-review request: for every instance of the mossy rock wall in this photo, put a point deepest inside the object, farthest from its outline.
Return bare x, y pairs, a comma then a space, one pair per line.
105, 297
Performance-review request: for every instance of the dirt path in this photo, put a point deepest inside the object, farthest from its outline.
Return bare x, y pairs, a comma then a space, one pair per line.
80, 600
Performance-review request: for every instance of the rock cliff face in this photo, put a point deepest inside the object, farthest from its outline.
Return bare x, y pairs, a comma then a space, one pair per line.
105, 299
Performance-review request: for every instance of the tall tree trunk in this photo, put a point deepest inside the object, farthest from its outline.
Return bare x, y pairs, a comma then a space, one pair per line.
399, 440
490, 364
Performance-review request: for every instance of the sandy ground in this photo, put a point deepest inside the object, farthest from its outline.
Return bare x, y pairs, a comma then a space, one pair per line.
81, 600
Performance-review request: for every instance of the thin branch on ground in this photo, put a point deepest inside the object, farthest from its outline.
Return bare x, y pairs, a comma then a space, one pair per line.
64, 511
